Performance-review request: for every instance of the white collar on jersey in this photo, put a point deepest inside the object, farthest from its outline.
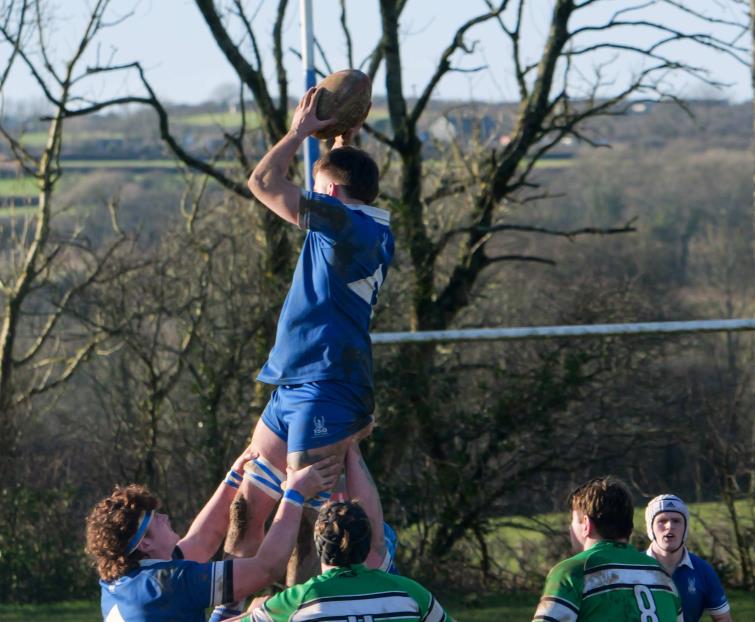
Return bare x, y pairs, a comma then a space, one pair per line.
684, 561
379, 215
151, 562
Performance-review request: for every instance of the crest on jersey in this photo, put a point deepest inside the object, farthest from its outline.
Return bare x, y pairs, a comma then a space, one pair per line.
691, 587
320, 429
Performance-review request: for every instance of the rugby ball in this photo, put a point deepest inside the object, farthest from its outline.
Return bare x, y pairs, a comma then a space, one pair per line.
345, 97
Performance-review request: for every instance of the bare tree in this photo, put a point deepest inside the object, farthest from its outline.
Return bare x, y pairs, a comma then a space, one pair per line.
45, 268
553, 104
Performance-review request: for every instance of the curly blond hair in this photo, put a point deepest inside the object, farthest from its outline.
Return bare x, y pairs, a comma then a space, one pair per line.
111, 524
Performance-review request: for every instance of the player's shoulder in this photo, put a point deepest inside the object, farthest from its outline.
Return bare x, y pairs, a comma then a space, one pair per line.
698, 562
383, 581
621, 558
372, 214
148, 578
323, 213
311, 197
375, 574
702, 566
573, 566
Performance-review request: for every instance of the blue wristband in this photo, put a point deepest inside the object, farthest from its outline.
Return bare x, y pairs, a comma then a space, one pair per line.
233, 478
293, 496
234, 475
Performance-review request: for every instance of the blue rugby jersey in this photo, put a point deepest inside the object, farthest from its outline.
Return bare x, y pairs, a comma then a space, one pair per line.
167, 590
323, 330
699, 587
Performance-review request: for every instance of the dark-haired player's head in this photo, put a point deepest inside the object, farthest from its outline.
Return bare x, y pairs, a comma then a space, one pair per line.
347, 173
602, 509
342, 534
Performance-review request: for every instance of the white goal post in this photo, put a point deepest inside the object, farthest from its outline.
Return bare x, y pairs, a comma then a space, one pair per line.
546, 332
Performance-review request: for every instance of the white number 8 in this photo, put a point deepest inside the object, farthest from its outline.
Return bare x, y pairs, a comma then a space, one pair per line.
646, 603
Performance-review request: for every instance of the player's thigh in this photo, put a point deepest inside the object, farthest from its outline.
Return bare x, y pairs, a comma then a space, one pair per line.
324, 417
264, 475
300, 459
269, 445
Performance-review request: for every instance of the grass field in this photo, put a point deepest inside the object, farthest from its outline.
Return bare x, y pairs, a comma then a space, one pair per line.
119, 164
17, 212
233, 119
223, 119
504, 607
18, 187
516, 540
39, 139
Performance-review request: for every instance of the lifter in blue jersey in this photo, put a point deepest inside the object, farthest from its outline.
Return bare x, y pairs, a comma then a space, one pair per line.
321, 362
667, 521
150, 574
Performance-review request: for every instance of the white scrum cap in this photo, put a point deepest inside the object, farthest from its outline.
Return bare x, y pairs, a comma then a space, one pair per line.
666, 503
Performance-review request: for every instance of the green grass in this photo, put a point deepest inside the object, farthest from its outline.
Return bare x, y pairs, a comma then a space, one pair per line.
17, 212
119, 164
516, 607
74, 611
233, 119
223, 119
39, 139
18, 187
525, 535
502, 607
554, 163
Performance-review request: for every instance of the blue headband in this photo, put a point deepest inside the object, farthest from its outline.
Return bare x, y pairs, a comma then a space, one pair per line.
145, 520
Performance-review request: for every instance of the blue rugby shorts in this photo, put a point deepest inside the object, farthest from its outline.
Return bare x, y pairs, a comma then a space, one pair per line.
316, 414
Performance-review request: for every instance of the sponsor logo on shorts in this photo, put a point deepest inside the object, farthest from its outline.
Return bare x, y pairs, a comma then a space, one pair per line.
320, 429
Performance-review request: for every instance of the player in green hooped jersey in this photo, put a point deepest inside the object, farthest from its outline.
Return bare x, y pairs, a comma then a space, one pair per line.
347, 590
608, 580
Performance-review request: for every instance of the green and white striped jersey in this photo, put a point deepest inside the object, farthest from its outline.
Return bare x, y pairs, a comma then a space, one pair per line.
356, 594
609, 581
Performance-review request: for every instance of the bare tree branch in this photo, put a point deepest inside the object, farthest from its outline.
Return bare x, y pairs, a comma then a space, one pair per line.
444, 64
347, 35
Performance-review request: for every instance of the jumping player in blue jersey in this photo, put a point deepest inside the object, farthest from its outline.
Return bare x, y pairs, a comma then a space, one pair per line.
148, 573
321, 362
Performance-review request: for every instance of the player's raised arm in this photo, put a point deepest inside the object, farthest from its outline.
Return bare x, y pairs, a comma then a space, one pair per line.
211, 524
361, 486
268, 181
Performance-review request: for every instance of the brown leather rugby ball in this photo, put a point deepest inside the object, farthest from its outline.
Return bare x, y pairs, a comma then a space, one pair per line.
345, 97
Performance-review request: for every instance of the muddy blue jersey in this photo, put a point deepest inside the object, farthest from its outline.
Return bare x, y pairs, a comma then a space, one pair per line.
167, 591
323, 330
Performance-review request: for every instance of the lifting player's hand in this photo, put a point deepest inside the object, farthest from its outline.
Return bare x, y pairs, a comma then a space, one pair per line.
246, 456
305, 121
314, 478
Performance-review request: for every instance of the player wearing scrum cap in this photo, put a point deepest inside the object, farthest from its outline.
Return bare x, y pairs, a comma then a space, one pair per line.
667, 522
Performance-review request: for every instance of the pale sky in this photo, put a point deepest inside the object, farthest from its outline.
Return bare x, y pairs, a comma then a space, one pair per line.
171, 40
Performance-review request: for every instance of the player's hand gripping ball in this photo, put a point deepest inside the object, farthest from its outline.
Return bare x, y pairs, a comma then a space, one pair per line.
345, 96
